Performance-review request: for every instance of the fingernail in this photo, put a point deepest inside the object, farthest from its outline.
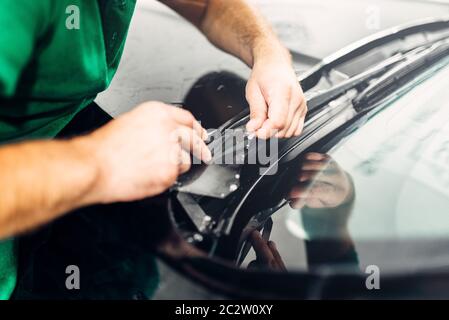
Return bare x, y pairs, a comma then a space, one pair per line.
262, 134
250, 126
279, 135
208, 156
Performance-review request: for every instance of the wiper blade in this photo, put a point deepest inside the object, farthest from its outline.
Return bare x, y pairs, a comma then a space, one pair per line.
312, 77
400, 75
315, 100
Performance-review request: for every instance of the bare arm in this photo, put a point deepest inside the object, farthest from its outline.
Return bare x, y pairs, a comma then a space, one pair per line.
275, 97
231, 25
42, 179
236, 27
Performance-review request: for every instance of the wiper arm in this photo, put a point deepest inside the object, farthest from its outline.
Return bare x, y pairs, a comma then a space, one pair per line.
315, 100
400, 75
312, 77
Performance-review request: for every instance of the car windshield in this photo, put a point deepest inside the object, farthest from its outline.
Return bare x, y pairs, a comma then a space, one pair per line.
379, 197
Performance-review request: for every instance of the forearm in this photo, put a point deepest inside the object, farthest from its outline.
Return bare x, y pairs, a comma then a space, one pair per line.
276, 101
233, 26
236, 27
42, 180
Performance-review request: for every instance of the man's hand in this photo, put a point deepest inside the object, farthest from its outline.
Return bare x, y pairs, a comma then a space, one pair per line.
142, 153
138, 155
267, 255
277, 103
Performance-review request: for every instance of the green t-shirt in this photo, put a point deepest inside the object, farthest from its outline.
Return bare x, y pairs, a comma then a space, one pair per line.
55, 57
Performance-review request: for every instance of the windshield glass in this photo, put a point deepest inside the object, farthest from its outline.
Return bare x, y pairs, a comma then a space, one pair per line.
380, 197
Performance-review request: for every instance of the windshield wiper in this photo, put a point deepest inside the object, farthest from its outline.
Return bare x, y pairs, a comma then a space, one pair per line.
310, 78
400, 75
317, 99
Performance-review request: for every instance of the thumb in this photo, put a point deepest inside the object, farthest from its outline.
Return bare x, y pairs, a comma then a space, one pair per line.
257, 106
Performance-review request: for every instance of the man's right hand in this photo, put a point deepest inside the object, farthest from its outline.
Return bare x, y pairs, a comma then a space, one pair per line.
141, 153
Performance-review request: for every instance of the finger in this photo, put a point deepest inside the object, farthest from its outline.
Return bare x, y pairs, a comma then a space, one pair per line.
191, 142
299, 102
277, 257
300, 127
263, 252
307, 175
180, 158
306, 196
257, 105
297, 203
304, 111
314, 165
327, 170
267, 130
185, 118
253, 265
299, 192
315, 156
294, 125
295, 115
278, 108
184, 162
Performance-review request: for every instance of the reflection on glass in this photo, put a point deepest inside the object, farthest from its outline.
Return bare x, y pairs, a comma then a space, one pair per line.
321, 183
324, 193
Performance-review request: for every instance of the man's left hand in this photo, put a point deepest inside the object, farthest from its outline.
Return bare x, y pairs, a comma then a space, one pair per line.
277, 103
